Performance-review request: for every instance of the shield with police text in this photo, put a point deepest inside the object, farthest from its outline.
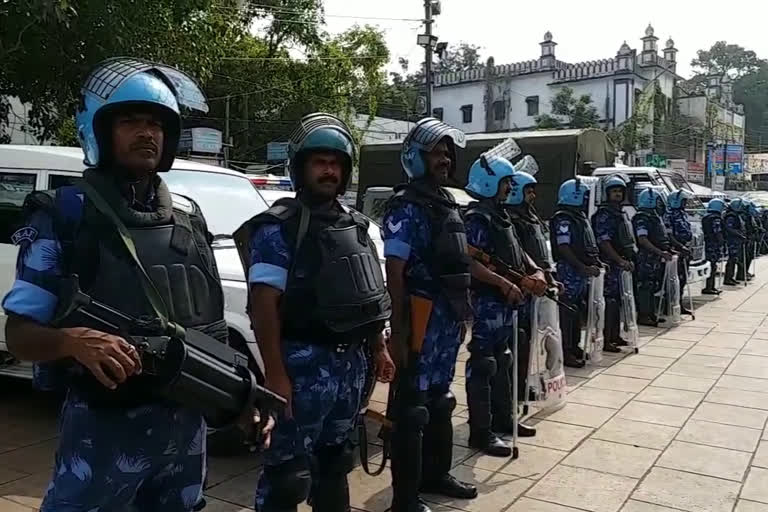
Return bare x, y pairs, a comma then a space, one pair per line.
546, 375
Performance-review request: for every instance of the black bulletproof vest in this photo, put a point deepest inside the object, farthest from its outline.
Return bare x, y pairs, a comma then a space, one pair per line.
657, 233
708, 223
335, 291
749, 226
448, 262
583, 242
532, 234
733, 215
623, 241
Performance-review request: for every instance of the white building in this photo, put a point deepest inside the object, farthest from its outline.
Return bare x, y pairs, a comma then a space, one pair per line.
17, 121
510, 96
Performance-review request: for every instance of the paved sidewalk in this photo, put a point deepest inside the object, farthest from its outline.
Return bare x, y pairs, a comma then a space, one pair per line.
680, 426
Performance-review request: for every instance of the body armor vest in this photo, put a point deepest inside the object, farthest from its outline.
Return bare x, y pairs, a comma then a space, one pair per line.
504, 241
657, 233
623, 241
178, 260
583, 242
749, 225
335, 290
739, 221
449, 260
708, 224
532, 234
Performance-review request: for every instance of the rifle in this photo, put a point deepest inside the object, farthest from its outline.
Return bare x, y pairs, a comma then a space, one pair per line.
496, 264
185, 366
420, 310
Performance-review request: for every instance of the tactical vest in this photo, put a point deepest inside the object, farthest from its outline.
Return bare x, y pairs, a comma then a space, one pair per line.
623, 241
448, 261
177, 257
532, 234
734, 215
335, 290
708, 225
657, 233
749, 226
503, 238
583, 242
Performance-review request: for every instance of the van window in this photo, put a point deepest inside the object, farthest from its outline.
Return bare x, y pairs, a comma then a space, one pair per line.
14, 188
60, 180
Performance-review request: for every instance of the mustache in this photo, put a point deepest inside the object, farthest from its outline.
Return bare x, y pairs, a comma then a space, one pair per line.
144, 145
328, 179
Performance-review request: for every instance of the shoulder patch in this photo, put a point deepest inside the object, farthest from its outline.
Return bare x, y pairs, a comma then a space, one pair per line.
25, 234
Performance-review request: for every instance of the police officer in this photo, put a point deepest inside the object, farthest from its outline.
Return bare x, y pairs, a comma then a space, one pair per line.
427, 263
749, 242
494, 300
532, 232
714, 241
681, 236
575, 250
617, 246
764, 223
312, 312
735, 238
123, 447
653, 244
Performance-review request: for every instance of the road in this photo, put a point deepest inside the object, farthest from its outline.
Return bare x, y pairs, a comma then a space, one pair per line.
679, 426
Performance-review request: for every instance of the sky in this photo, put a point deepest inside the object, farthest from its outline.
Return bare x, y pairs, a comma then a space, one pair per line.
510, 30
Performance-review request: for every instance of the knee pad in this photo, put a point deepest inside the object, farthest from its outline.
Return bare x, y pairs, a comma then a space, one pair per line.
482, 366
289, 484
335, 460
442, 407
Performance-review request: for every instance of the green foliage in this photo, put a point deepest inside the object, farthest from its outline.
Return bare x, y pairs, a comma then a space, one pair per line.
48, 46
580, 112
752, 91
724, 58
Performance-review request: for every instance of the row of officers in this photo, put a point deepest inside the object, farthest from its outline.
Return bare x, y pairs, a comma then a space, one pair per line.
318, 302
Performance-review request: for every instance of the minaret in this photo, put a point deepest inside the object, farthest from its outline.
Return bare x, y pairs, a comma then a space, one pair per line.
547, 59
670, 54
650, 47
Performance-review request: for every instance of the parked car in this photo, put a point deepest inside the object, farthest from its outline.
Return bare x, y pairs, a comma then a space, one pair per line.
227, 199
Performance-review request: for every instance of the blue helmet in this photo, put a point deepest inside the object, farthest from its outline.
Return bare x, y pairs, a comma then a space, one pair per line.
736, 204
649, 199
753, 209
423, 138
520, 180
320, 132
716, 205
612, 181
676, 198
486, 174
125, 83
573, 193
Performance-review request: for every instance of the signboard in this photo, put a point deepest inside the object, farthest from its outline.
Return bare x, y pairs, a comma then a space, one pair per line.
732, 154
756, 163
678, 165
200, 140
657, 161
695, 172
718, 183
277, 152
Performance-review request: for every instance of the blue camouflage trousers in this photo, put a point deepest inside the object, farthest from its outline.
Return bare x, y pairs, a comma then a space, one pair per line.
151, 457
327, 391
612, 287
492, 326
437, 363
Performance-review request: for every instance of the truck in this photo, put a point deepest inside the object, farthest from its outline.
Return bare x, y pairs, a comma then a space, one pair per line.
560, 154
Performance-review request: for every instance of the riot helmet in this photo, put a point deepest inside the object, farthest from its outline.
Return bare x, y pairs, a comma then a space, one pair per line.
573, 193
678, 198
649, 199
486, 175
736, 204
520, 181
423, 138
716, 205
125, 84
320, 132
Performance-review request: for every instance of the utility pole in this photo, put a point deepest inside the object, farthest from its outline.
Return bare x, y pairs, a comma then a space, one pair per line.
227, 141
428, 50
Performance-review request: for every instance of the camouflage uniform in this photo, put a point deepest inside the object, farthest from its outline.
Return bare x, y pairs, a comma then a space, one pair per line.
650, 267
327, 383
680, 228
153, 456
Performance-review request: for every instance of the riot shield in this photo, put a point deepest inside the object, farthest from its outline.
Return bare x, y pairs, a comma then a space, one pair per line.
593, 334
546, 375
628, 313
720, 275
672, 292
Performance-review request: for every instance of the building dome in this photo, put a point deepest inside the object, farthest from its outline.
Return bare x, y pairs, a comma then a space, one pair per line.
649, 32
670, 43
548, 36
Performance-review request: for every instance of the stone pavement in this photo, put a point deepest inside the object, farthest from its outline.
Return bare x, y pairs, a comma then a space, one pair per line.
679, 426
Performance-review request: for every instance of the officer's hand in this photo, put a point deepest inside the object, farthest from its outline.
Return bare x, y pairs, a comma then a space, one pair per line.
281, 384
251, 423
534, 285
109, 358
592, 270
666, 255
512, 293
560, 287
627, 265
384, 366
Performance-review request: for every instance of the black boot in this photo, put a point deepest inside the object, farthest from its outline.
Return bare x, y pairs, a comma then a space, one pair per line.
480, 372
709, 288
571, 361
437, 452
407, 446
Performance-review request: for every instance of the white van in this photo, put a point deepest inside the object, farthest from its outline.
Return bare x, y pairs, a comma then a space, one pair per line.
227, 199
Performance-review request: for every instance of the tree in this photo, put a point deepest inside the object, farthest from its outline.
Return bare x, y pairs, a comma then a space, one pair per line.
752, 92
724, 58
48, 46
580, 112
460, 58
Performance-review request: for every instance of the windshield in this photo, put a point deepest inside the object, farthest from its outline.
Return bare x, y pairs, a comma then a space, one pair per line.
674, 181
226, 200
